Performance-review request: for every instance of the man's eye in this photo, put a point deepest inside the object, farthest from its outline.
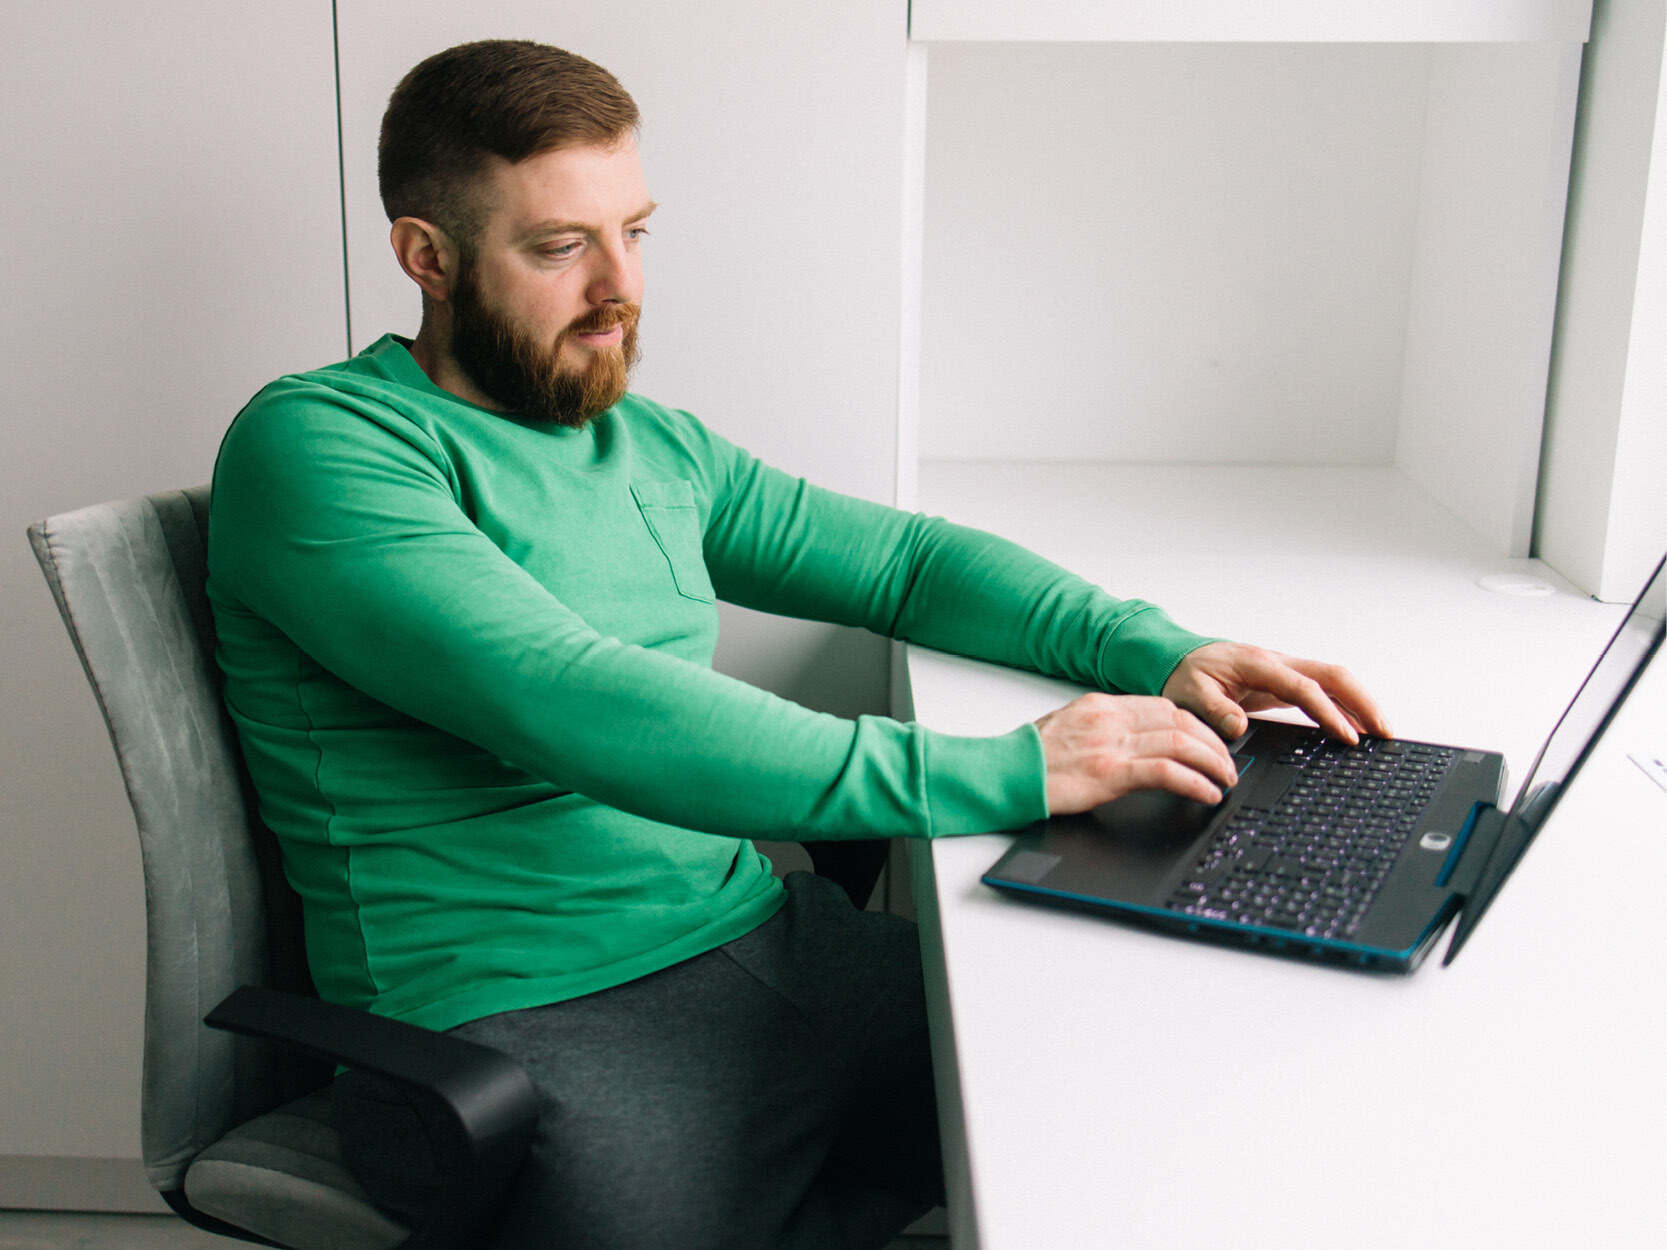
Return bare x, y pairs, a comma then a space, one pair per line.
636, 233
559, 251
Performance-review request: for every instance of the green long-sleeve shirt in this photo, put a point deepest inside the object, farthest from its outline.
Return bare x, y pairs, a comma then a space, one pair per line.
468, 657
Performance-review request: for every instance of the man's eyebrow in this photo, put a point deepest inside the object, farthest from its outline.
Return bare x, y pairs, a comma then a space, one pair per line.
557, 226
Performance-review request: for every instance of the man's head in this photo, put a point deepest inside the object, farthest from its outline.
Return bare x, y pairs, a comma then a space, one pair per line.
510, 173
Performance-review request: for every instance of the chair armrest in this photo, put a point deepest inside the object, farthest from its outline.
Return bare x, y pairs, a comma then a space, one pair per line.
476, 1104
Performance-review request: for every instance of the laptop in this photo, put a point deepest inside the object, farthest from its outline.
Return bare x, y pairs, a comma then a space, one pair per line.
1358, 856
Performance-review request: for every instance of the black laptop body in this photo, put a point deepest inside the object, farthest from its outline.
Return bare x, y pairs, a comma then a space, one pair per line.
1358, 856
1158, 859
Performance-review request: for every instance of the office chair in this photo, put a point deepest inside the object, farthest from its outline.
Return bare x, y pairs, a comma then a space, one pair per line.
237, 1130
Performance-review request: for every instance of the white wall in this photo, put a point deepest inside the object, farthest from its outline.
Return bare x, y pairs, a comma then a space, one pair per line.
1325, 21
172, 243
1159, 252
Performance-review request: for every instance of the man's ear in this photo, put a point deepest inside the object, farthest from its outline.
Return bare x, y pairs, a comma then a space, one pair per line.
427, 254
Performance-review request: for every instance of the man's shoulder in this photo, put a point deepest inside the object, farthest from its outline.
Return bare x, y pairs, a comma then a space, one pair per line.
369, 391
374, 374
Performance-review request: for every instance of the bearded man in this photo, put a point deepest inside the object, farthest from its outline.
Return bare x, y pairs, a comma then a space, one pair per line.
465, 591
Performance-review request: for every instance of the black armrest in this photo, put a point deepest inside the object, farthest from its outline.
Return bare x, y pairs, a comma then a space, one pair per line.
476, 1104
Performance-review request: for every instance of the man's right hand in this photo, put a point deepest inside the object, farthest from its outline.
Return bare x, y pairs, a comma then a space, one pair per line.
1101, 746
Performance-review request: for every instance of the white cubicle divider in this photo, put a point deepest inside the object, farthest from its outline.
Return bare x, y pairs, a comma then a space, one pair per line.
1603, 505
1482, 294
1176, 234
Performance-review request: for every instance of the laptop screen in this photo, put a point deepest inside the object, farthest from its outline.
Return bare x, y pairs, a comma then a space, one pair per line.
1585, 719
1623, 661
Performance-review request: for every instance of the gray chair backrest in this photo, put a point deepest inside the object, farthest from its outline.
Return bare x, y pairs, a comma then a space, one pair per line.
129, 578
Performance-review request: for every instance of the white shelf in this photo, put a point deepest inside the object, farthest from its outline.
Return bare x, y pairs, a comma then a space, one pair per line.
1251, 253
1287, 21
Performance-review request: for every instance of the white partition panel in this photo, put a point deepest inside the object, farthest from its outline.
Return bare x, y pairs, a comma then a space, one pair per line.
1603, 487
1484, 280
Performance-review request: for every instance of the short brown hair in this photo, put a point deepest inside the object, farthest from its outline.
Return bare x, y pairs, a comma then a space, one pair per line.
509, 98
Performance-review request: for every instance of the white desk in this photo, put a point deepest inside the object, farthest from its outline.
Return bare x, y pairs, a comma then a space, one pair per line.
1104, 1086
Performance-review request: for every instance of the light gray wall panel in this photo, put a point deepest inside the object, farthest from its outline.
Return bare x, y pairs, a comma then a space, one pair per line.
172, 214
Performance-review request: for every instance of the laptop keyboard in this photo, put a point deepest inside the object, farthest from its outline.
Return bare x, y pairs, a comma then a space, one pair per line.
1309, 856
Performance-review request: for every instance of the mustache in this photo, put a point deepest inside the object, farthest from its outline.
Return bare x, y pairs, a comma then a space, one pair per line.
605, 318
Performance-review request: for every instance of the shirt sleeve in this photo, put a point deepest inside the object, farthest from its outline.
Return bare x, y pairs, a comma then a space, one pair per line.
340, 526
780, 544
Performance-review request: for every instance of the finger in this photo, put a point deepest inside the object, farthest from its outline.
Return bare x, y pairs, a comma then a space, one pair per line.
1160, 773
1188, 722
1280, 677
1212, 742
1202, 694
1197, 749
1134, 726
1219, 711
1345, 690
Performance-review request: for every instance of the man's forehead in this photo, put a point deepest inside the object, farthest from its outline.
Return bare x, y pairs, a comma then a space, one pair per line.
567, 187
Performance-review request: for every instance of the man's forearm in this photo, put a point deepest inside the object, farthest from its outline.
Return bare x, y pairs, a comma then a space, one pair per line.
786, 547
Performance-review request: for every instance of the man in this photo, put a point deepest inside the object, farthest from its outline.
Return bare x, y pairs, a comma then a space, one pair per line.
465, 595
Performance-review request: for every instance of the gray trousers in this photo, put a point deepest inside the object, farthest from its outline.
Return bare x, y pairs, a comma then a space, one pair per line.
772, 1094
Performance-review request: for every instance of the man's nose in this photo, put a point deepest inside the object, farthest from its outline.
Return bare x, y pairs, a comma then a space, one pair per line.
615, 276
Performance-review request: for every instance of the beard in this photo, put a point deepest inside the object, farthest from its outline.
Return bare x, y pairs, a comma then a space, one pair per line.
523, 374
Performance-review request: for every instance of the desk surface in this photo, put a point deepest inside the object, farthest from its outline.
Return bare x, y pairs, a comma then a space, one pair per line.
1105, 1086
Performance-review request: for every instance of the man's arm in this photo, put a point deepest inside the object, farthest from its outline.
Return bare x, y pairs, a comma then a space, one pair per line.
782, 545
779, 544
344, 533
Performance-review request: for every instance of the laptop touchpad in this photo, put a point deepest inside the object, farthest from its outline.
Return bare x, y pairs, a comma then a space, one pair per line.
1126, 848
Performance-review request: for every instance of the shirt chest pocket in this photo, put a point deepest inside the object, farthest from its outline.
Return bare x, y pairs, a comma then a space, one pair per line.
668, 509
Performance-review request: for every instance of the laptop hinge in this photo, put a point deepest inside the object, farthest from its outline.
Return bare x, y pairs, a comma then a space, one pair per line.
1472, 849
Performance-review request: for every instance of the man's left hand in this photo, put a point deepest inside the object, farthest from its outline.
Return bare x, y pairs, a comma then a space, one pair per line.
1221, 682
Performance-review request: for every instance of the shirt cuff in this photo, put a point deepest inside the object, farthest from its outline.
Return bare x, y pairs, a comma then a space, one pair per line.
985, 785
1138, 656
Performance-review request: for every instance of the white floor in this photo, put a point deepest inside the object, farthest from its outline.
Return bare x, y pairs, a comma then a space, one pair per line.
58, 1230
